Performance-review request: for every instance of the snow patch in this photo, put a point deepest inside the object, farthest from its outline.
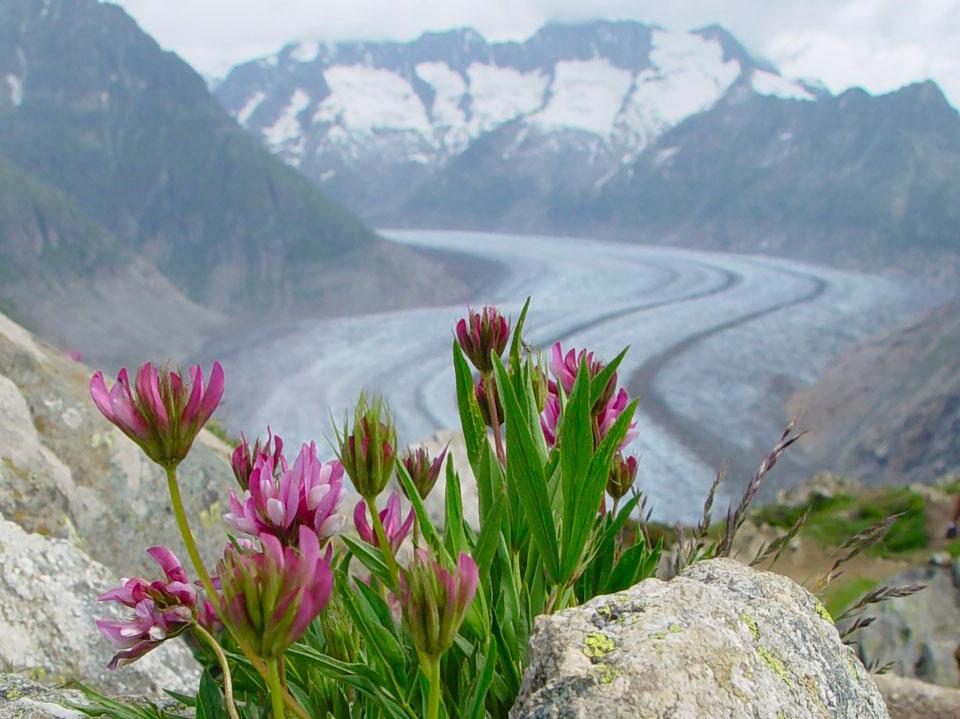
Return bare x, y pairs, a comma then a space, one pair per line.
306, 51
688, 76
585, 95
446, 115
666, 155
286, 133
500, 94
16, 89
767, 83
249, 107
366, 99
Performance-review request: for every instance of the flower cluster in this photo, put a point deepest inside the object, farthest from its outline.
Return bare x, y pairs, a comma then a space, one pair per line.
422, 470
269, 597
606, 410
482, 334
162, 609
163, 412
435, 601
367, 448
279, 500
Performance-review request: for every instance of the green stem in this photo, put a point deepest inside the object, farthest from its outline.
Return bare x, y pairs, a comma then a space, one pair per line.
276, 690
490, 388
188, 540
190, 543
385, 547
227, 677
433, 677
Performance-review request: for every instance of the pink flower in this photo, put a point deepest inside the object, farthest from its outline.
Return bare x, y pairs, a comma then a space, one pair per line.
565, 367
162, 413
270, 597
611, 412
389, 517
550, 419
367, 447
74, 356
280, 500
163, 609
481, 334
435, 601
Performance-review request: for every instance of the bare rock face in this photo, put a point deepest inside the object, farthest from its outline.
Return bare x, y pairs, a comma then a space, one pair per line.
720, 640
48, 603
67, 472
914, 699
919, 634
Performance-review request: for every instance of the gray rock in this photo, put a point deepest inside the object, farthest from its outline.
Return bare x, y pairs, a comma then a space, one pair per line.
919, 634
48, 603
914, 699
720, 640
21, 698
67, 472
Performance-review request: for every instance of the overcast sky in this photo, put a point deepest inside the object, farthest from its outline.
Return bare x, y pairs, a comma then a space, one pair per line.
878, 44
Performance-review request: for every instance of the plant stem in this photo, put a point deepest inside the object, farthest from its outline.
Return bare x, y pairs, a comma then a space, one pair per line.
188, 540
433, 677
190, 543
227, 677
494, 417
276, 691
385, 547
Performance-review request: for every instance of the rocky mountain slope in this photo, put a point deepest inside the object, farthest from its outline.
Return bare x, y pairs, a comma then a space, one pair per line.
120, 174
892, 406
614, 128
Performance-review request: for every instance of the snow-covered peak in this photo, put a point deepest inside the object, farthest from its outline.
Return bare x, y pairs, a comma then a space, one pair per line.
613, 87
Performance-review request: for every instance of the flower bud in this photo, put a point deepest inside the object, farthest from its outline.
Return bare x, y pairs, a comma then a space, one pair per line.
367, 449
340, 637
481, 334
421, 469
481, 391
244, 458
270, 597
163, 609
162, 413
623, 473
435, 601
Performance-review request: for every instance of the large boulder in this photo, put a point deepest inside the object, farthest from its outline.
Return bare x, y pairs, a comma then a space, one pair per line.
919, 634
914, 699
48, 603
720, 640
67, 472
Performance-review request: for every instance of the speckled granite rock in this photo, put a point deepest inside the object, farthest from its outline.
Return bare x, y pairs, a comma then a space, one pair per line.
21, 698
721, 640
48, 603
66, 472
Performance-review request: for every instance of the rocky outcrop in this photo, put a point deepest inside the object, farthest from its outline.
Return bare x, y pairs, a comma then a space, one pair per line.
66, 472
720, 640
48, 602
913, 699
21, 698
919, 634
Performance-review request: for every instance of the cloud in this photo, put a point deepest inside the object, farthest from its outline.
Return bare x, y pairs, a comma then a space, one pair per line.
878, 44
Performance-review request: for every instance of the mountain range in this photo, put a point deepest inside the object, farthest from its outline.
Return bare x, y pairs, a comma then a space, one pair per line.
136, 216
618, 129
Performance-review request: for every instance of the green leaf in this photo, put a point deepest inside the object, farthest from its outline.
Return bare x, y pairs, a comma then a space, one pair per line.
600, 382
210, 703
427, 529
525, 474
473, 709
634, 566
455, 538
517, 340
596, 481
370, 557
486, 548
575, 442
471, 420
